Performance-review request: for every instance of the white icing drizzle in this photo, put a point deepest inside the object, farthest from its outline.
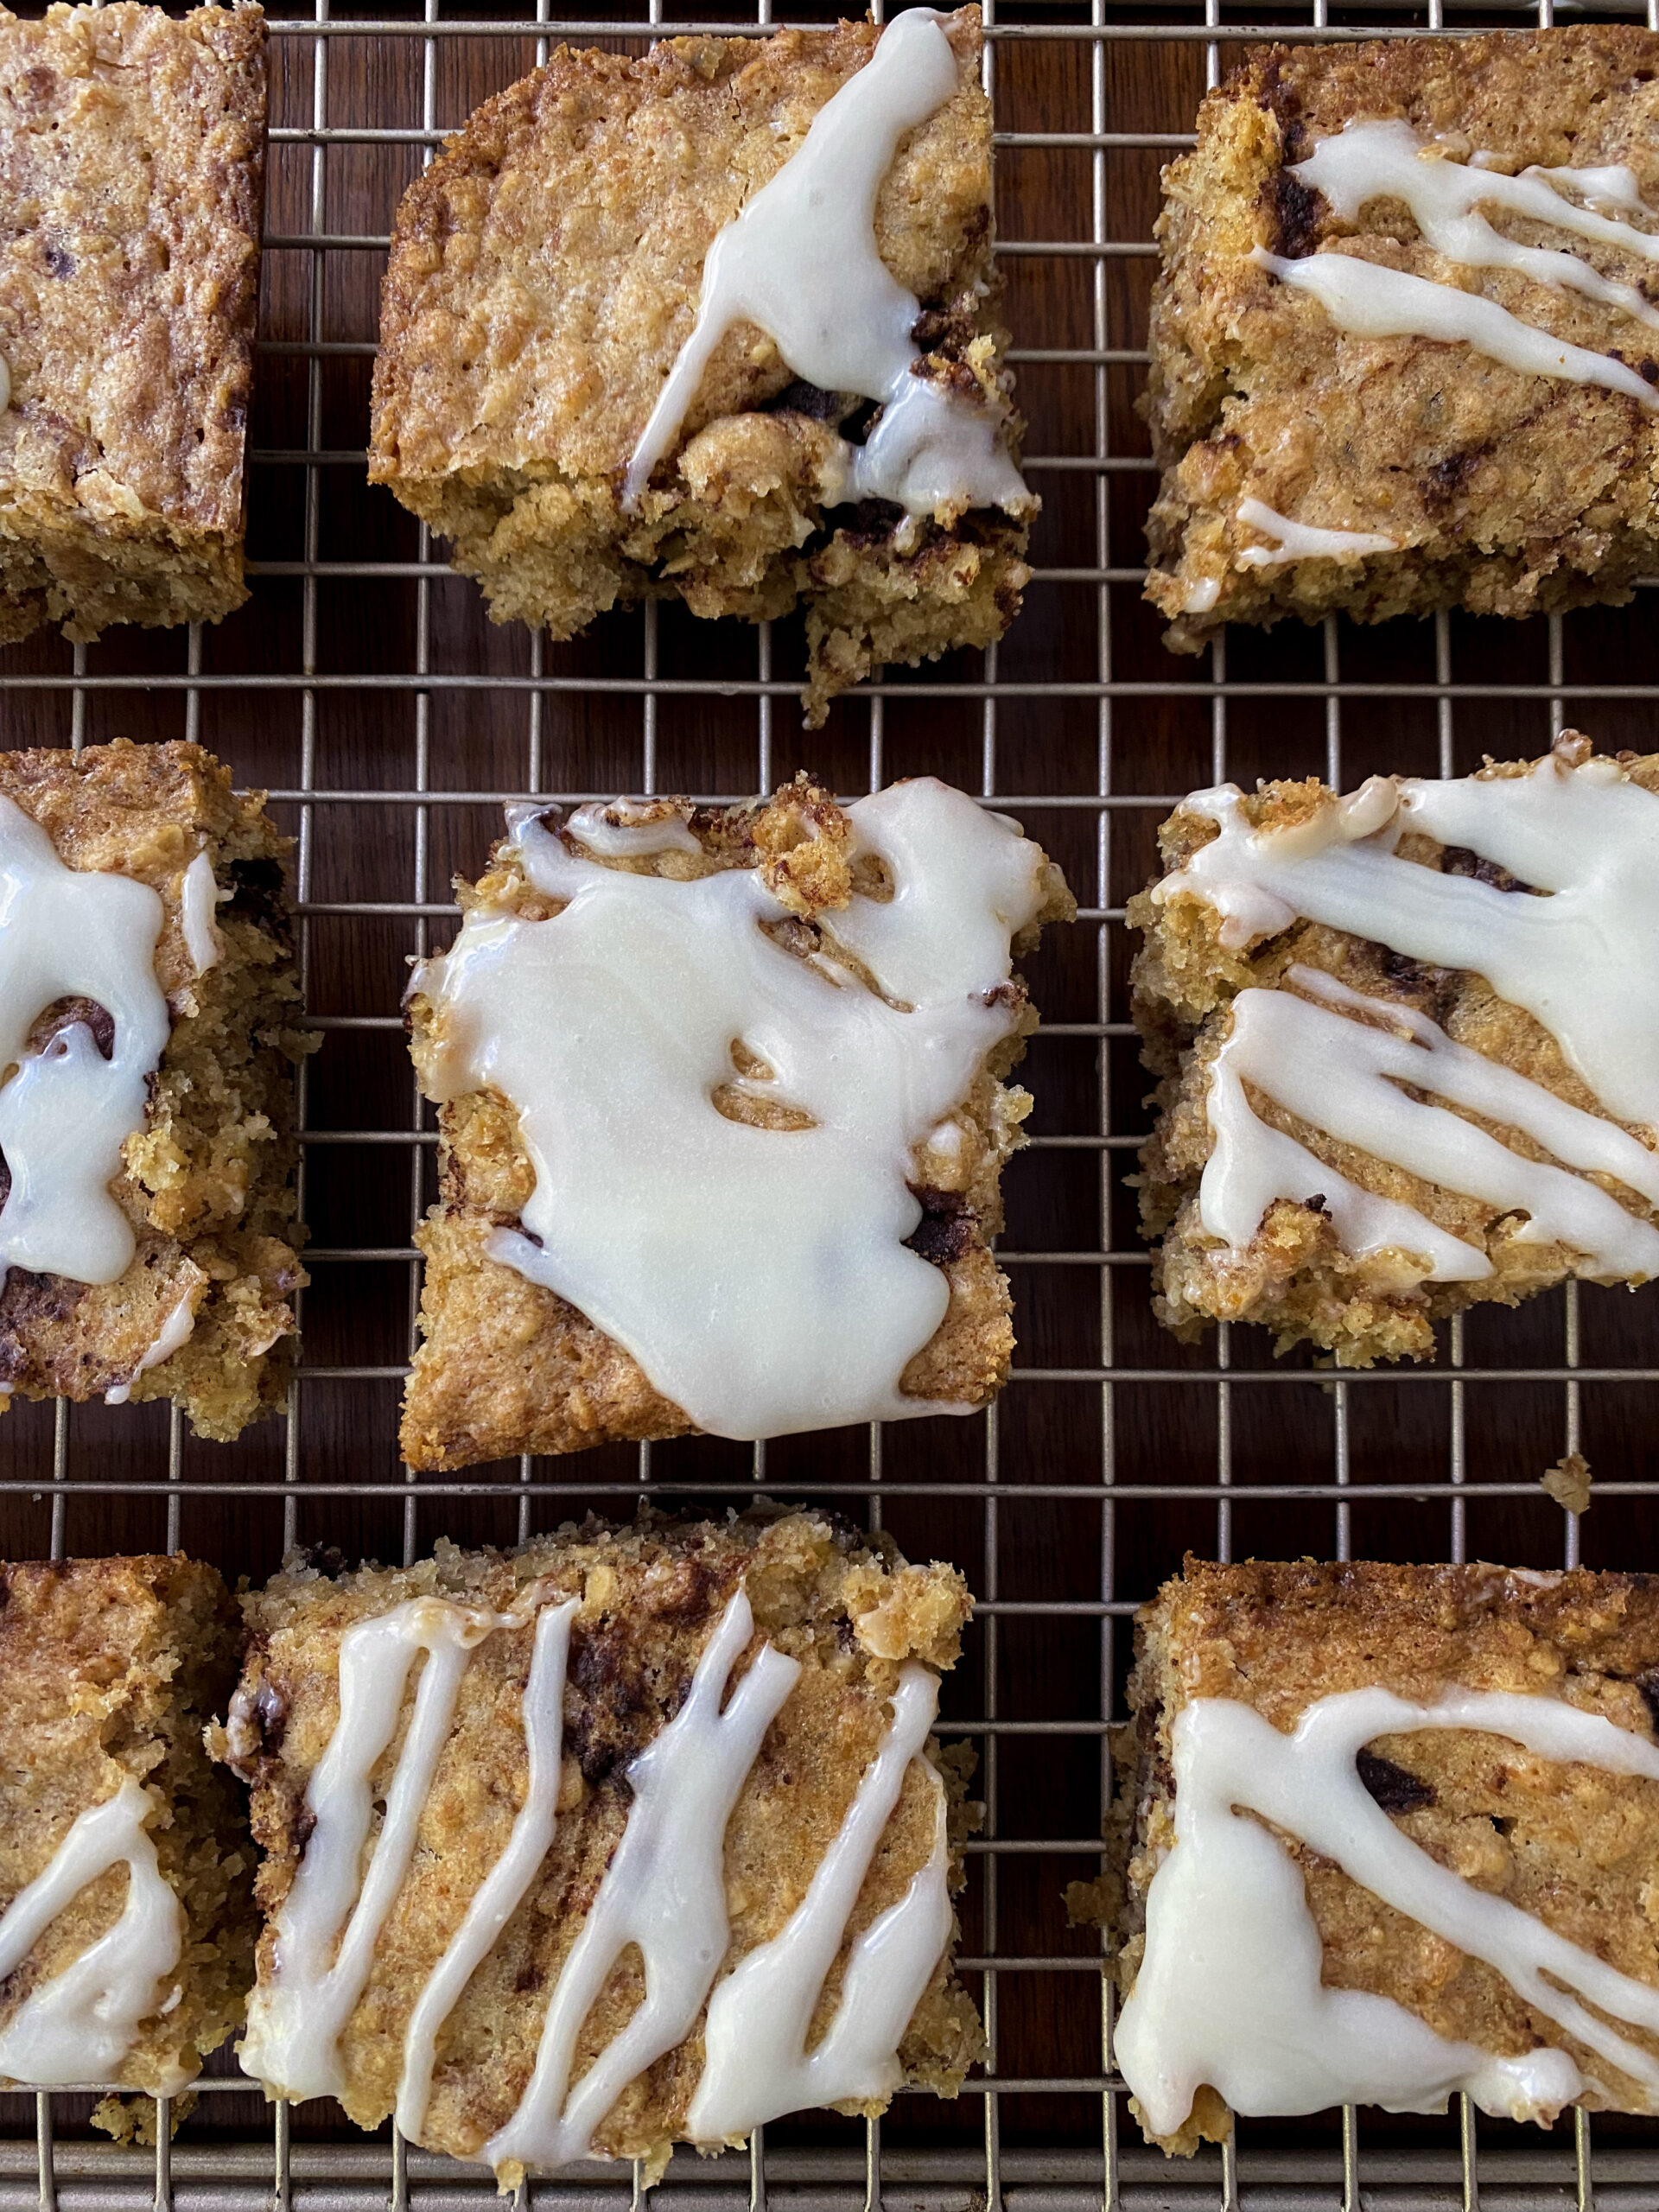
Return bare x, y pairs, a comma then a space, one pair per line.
66, 1111
503, 1887
622, 831
610, 1027
1378, 159
1343, 1077
665, 1890
1376, 302
1230, 1991
1301, 541
80, 2025
756, 2065
800, 261
174, 1333
327, 1925
1579, 960
198, 894
1201, 595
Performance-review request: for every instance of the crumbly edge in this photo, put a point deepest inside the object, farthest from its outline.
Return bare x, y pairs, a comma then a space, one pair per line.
208, 1182
63, 561
845, 1605
109, 1668
506, 1365
1482, 540
741, 529
1277, 1635
1294, 1277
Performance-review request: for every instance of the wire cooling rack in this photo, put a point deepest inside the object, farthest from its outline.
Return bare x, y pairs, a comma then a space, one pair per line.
363, 687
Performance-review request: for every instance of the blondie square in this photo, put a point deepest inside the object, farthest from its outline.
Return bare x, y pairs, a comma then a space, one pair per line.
1405, 354
545, 277
691, 1757
1382, 1833
131, 183
1407, 1045
126, 1937
723, 1121
150, 1004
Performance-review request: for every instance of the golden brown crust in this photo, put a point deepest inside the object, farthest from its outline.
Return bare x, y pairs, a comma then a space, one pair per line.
208, 1182
1509, 493
846, 1606
108, 1670
1294, 1277
545, 274
131, 184
506, 1366
1571, 1844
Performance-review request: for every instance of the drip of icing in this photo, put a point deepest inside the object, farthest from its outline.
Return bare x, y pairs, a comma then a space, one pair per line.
1302, 541
295, 2020
198, 896
664, 1890
756, 2064
1343, 1077
1202, 595
503, 1887
80, 2025
1578, 960
1230, 1992
174, 1332
65, 1112
621, 831
800, 261
1374, 301
1376, 160
759, 1275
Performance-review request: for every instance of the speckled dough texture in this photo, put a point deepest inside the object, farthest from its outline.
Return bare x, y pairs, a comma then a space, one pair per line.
109, 1668
842, 1604
1571, 1844
1294, 1276
544, 275
208, 1183
1508, 494
131, 181
506, 1365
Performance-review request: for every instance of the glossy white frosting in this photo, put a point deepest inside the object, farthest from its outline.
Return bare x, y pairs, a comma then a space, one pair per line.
80, 2025
65, 1114
1299, 541
664, 1891
1229, 1990
759, 1275
800, 261
199, 897
1376, 159
1574, 958
172, 1335
756, 2065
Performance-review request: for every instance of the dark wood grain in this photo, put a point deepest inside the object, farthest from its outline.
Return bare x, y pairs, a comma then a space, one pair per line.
1164, 1428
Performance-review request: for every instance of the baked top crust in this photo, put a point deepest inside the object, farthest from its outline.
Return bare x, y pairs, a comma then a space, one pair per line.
545, 274
649, 1600
1567, 1842
544, 270
109, 1668
207, 1182
1301, 1272
131, 179
1504, 492
506, 1364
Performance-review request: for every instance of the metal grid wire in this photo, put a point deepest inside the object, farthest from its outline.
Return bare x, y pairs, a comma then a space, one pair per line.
389, 722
